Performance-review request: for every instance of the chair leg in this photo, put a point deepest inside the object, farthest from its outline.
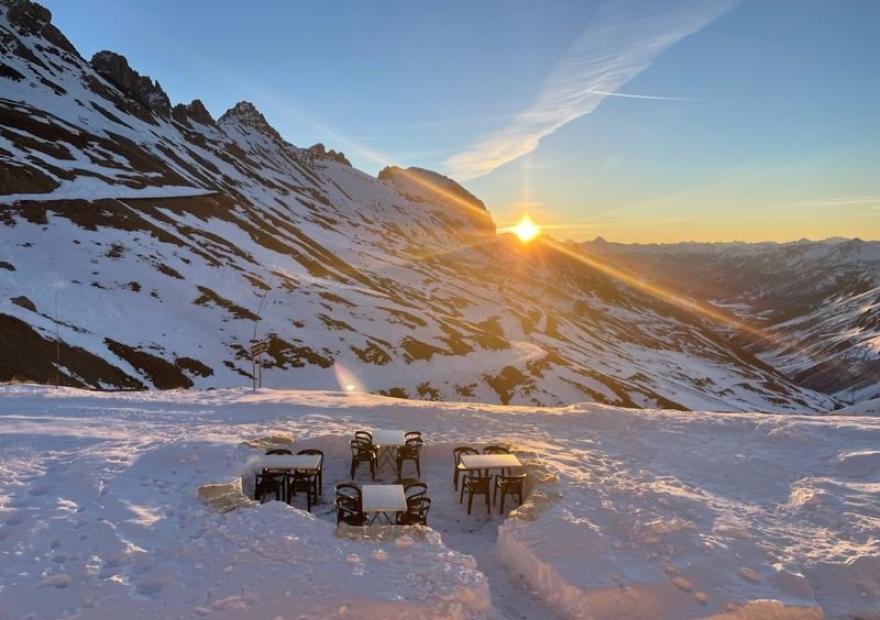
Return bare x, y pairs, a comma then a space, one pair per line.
461, 495
455, 478
503, 495
419, 467
352, 470
488, 503
470, 501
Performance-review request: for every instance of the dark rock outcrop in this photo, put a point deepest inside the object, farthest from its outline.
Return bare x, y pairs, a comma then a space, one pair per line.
114, 67
30, 18
194, 111
319, 151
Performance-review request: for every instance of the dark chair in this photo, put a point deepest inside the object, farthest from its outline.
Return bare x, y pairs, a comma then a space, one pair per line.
456, 457
509, 485
475, 485
416, 512
270, 481
279, 451
303, 481
410, 451
413, 488
364, 435
363, 452
412, 435
348, 504
497, 450
320, 467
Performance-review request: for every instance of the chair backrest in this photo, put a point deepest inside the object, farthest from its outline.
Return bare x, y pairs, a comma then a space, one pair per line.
359, 446
365, 435
313, 451
418, 507
415, 489
495, 450
513, 480
279, 451
414, 443
348, 490
459, 450
412, 435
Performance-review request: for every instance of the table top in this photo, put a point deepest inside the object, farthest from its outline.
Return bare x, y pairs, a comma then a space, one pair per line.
288, 461
389, 438
489, 461
383, 498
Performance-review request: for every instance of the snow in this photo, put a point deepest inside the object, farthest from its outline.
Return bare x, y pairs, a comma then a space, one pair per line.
630, 514
88, 188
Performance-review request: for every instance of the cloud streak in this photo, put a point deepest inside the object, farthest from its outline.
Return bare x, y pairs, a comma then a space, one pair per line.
621, 41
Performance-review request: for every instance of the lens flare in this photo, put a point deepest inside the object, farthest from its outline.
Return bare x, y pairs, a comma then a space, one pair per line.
346, 379
526, 230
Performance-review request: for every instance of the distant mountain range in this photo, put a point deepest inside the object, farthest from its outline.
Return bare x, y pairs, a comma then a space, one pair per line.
145, 244
819, 301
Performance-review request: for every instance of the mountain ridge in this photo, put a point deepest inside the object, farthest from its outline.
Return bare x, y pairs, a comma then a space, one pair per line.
151, 249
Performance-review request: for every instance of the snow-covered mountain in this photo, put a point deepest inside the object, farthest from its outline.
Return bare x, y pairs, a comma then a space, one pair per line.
818, 300
146, 245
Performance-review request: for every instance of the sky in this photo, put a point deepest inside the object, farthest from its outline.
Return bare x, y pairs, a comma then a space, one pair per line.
634, 120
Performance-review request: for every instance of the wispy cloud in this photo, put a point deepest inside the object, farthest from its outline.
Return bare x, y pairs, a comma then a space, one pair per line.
621, 41
870, 203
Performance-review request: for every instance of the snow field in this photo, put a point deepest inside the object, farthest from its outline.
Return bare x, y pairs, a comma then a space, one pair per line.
635, 513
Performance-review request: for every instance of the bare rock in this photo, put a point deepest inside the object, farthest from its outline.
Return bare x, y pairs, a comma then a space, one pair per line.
114, 68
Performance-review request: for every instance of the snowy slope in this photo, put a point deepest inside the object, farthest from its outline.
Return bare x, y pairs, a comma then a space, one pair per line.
819, 300
148, 240
631, 513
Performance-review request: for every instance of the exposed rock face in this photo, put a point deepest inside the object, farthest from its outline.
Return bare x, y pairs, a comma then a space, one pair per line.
420, 177
194, 111
246, 114
30, 18
114, 67
319, 150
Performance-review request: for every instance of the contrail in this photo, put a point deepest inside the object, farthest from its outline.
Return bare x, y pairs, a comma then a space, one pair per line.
621, 41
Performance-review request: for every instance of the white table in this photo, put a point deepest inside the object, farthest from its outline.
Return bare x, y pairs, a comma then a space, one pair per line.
287, 462
383, 500
489, 461
388, 441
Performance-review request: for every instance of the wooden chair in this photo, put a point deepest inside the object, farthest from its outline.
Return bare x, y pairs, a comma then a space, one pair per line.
411, 451
349, 508
413, 488
364, 435
270, 481
279, 451
363, 452
320, 467
303, 481
416, 512
475, 485
457, 453
509, 485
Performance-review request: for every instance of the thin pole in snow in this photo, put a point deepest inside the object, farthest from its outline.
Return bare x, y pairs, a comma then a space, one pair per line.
57, 345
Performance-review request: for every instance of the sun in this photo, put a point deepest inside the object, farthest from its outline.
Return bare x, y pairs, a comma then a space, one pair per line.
526, 230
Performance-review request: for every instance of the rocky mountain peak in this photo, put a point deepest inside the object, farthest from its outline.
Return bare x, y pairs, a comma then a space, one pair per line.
30, 18
245, 113
114, 67
426, 182
193, 111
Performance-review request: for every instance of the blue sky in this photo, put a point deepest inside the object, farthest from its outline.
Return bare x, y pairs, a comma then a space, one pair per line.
752, 120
